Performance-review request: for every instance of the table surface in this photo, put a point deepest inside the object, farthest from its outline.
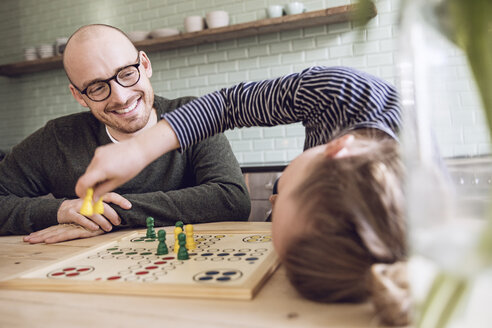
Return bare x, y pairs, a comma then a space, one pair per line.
276, 305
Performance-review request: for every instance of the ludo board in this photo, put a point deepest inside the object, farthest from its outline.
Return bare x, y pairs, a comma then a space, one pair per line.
229, 265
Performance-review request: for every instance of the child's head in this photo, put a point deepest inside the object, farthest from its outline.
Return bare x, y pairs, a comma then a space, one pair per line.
340, 211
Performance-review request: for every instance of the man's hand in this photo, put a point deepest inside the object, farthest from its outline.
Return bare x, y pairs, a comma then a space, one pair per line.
59, 233
69, 213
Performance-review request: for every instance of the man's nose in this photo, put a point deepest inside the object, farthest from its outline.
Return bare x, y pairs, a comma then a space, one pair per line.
118, 93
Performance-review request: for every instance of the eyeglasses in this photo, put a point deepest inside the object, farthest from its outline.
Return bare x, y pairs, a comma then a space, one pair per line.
128, 76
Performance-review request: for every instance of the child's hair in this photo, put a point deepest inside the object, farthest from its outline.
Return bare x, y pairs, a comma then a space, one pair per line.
353, 209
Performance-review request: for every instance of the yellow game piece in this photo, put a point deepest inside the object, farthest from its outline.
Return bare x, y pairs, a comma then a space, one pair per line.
99, 207
190, 239
177, 231
86, 208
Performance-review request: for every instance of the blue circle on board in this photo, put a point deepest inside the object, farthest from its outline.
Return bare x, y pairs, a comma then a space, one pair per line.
223, 278
205, 278
211, 273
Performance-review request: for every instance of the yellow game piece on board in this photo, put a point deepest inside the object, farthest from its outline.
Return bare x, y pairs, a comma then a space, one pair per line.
190, 239
99, 207
86, 208
177, 231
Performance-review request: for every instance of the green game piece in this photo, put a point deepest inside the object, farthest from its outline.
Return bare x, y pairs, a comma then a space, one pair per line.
150, 227
162, 247
182, 251
180, 224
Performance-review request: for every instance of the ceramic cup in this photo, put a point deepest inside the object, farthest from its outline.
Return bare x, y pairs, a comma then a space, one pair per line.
218, 18
294, 8
275, 11
60, 44
194, 24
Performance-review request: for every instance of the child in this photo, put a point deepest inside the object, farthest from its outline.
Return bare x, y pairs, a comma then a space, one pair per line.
338, 212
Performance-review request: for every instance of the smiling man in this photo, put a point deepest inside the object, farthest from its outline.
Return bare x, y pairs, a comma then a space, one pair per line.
112, 79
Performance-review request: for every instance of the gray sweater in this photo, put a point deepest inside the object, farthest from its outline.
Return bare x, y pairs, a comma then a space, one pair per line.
202, 184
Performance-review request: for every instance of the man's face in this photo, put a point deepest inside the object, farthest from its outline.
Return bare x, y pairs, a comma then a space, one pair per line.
128, 109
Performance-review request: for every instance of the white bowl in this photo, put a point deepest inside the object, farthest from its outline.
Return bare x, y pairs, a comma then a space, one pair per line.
136, 36
218, 18
164, 32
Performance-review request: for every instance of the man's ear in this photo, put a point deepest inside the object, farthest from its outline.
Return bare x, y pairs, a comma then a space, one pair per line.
146, 64
337, 148
76, 94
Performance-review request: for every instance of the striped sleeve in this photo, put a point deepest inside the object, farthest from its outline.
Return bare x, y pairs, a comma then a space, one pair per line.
326, 100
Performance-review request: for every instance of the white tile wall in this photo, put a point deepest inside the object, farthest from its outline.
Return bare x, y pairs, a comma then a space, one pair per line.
31, 100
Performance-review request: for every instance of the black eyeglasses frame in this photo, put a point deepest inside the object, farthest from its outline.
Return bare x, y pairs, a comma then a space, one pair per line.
114, 77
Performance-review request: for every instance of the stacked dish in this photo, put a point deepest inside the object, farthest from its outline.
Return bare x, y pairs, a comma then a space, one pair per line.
136, 36
164, 32
46, 50
30, 53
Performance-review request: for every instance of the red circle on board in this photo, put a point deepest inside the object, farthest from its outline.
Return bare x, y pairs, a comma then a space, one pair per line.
114, 278
140, 273
83, 269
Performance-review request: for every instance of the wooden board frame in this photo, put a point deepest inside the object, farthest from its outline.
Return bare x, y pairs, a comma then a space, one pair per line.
246, 290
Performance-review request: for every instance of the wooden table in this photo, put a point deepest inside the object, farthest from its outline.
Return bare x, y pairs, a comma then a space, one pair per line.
276, 305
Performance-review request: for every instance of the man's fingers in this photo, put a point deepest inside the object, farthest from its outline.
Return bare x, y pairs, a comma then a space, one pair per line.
38, 236
117, 199
87, 223
41, 235
98, 220
59, 233
72, 233
111, 215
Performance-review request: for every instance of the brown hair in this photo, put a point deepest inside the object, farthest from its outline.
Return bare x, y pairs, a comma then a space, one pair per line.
354, 219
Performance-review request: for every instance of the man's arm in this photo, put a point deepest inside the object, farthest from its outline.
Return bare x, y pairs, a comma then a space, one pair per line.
220, 193
36, 182
23, 205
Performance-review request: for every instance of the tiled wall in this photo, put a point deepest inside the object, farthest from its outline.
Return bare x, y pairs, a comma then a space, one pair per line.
29, 101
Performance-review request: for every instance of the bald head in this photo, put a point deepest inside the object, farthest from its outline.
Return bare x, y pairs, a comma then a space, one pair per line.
94, 45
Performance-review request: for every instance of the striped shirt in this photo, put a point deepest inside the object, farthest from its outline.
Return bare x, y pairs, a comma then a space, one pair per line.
327, 100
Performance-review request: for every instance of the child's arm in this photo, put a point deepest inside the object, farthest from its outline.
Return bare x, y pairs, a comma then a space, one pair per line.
115, 164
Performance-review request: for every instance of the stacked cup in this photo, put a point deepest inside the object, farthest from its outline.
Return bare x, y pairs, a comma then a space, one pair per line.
275, 11
194, 24
30, 53
217, 18
60, 44
295, 8
46, 50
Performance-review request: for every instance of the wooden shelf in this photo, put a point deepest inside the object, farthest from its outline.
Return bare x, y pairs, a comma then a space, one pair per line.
264, 26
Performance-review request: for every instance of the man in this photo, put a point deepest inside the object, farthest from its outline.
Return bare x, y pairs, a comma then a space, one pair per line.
111, 78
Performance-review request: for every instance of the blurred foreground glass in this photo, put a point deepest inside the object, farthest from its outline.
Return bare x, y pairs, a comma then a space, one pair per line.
448, 200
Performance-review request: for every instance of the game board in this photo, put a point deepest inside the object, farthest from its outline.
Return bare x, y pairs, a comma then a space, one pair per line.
230, 265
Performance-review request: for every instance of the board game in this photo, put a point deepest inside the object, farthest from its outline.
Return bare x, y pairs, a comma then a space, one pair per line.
224, 265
